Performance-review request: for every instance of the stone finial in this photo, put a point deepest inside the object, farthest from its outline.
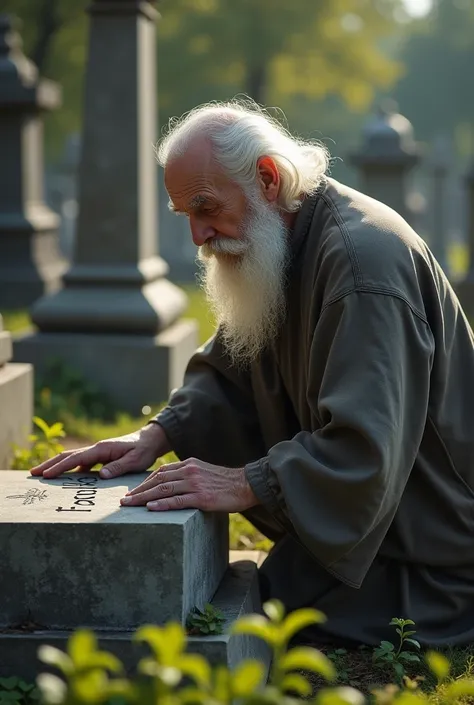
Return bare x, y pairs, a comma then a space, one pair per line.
20, 84
389, 134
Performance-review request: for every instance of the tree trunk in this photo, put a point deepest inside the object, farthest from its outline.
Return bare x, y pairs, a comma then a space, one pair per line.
256, 82
48, 25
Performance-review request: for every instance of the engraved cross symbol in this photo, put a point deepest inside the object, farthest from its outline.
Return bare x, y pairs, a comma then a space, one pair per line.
30, 495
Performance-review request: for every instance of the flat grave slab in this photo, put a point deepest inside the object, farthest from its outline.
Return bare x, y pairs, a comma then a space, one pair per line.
72, 556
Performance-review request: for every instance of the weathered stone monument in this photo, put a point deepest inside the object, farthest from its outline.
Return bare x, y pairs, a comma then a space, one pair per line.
387, 155
16, 399
116, 319
73, 557
30, 263
439, 164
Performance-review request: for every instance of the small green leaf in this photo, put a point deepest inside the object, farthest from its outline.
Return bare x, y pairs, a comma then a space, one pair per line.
387, 646
414, 642
298, 620
408, 656
305, 658
104, 660
41, 424
9, 683
399, 670
153, 636
197, 668
274, 610
89, 687
298, 684
57, 431
459, 688
80, 645
247, 677
52, 688
54, 657
192, 695
11, 696
438, 664
409, 633
344, 695
255, 625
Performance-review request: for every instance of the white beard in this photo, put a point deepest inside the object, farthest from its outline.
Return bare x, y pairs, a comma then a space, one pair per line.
244, 281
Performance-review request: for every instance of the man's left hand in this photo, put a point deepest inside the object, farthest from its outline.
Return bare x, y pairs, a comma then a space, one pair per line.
193, 484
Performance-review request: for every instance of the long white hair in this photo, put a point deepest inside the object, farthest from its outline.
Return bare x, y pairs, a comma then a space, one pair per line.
241, 132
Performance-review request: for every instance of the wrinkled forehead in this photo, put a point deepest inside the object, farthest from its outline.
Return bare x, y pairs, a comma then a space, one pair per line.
194, 177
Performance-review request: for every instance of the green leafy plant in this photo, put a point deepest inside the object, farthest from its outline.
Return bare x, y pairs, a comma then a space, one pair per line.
339, 659
169, 675
16, 691
399, 656
43, 445
208, 622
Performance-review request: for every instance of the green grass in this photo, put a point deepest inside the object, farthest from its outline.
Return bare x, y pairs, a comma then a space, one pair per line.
16, 321
199, 310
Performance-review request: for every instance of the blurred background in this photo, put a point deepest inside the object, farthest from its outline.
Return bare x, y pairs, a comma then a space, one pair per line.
326, 64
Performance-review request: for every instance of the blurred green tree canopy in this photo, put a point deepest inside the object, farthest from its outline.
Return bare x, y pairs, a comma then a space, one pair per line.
298, 54
436, 91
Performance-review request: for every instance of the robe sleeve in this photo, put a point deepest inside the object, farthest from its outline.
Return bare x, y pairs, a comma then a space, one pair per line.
340, 483
213, 416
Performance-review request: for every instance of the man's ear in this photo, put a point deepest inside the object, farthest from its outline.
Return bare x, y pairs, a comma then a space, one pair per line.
268, 178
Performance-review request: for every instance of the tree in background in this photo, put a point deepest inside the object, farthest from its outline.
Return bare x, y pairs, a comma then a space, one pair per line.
313, 59
436, 92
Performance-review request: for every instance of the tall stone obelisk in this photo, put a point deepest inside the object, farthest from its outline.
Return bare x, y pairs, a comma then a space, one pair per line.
116, 319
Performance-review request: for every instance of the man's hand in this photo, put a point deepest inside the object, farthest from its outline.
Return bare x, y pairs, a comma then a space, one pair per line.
135, 452
193, 484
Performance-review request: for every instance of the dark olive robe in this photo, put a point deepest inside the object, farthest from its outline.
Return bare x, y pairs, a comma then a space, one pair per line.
355, 427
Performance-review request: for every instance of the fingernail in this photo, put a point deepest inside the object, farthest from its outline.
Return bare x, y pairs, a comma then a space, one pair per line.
126, 500
105, 473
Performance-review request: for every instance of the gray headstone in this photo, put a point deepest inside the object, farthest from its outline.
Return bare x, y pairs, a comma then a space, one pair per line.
72, 556
30, 262
386, 156
117, 286
16, 399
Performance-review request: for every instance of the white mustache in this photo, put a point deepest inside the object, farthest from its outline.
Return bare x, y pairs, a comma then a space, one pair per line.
223, 245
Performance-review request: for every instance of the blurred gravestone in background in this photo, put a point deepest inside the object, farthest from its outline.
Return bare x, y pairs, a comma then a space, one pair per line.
30, 264
386, 157
117, 318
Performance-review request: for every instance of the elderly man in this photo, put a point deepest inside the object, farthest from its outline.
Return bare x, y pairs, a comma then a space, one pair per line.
334, 407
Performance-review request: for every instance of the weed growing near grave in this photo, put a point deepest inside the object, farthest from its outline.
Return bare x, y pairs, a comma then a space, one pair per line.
15, 691
43, 445
208, 622
171, 676
398, 657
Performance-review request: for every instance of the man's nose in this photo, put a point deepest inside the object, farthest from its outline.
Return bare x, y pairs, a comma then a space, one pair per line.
201, 232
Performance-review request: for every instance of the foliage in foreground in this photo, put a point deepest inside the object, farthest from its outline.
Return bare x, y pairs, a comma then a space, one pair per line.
171, 675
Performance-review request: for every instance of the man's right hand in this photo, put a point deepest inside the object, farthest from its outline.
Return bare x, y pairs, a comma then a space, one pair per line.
135, 452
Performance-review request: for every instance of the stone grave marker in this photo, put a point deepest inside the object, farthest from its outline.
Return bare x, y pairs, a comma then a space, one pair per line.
73, 557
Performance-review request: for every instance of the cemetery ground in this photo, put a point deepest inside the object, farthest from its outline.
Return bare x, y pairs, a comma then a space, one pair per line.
66, 399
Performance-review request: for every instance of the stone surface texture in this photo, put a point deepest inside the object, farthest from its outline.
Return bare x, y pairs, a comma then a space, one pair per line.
131, 370
16, 399
237, 595
73, 557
